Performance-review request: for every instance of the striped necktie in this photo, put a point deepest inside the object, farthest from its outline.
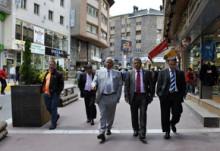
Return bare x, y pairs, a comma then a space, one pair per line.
172, 81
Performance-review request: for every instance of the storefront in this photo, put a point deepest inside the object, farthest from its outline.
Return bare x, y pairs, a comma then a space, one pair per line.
95, 57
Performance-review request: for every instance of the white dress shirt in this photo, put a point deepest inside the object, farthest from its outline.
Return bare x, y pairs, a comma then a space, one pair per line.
88, 82
112, 89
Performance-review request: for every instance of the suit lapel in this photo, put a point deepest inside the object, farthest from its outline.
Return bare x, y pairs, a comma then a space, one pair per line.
133, 78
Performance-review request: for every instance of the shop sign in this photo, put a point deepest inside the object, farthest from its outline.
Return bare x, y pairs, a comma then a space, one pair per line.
56, 52
38, 35
1, 47
2, 16
72, 18
38, 49
19, 45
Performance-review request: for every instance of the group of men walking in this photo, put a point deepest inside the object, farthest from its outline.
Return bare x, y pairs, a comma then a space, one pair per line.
104, 87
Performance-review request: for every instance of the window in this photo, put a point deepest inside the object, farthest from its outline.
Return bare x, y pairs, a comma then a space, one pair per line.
138, 23
92, 29
123, 26
112, 36
48, 38
138, 41
112, 27
129, 25
50, 16
138, 32
28, 31
61, 20
159, 31
103, 35
18, 30
36, 9
112, 53
104, 19
104, 5
92, 11
23, 4
123, 34
61, 2
112, 44
128, 33
138, 50
158, 41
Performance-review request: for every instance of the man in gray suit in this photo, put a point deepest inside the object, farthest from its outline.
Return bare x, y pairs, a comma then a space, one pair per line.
108, 83
171, 88
139, 91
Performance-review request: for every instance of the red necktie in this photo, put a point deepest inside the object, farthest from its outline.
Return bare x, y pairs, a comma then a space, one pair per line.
138, 84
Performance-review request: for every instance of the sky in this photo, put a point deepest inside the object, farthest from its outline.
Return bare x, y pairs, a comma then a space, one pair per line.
126, 6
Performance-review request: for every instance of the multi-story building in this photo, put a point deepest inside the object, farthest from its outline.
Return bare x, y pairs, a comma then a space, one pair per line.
143, 28
46, 23
5, 11
89, 31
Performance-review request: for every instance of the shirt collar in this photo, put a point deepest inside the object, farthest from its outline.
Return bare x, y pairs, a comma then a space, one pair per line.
139, 70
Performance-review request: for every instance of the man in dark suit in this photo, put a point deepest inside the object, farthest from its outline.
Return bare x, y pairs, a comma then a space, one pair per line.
89, 95
171, 87
139, 92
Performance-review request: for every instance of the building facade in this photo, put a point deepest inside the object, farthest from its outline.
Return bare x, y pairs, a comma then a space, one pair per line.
143, 29
46, 23
89, 25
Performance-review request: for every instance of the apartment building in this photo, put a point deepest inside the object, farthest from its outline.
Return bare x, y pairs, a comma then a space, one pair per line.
46, 23
143, 28
89, 31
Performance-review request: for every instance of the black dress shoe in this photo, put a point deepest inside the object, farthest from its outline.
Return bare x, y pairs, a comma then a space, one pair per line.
173, 127
135, 133
3, 93
101, 136
88, 121
52, 127
167, 135
92, 122
108, 132
142, 136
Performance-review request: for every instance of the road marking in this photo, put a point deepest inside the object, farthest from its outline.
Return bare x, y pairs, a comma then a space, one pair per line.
149, 131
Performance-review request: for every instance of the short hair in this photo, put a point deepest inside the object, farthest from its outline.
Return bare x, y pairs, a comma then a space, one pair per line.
53, 61
4, 66
88, 66
190, 69
171, 59
137, 59
109, 58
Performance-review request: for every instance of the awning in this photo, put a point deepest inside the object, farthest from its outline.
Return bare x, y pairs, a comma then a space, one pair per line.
157, 50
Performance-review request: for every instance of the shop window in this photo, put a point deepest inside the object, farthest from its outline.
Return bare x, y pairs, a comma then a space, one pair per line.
18, 33
56, 41
36, 9
48, 38
65, 45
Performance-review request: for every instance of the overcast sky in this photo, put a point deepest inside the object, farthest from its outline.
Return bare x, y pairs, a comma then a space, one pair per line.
126, 6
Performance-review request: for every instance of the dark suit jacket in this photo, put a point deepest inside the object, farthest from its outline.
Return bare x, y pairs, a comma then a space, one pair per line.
129, 88
82, 82
163, 84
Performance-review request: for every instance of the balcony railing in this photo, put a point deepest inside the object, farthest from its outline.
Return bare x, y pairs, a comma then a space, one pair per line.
5, 6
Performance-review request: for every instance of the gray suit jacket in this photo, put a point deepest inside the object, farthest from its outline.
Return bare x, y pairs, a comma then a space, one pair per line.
100, 80
129, 89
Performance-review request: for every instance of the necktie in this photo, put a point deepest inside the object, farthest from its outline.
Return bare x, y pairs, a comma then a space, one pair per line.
138, 84
108, 83
172, 81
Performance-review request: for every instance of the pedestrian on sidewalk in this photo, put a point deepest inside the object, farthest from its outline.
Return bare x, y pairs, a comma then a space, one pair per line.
139, 91
52, 86
108, 84
171, 88
89, 95
3, 77
12, 74
17, 69
189, 82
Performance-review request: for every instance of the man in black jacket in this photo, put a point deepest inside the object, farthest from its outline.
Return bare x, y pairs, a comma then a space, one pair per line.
89, 95
171, 87
52, 86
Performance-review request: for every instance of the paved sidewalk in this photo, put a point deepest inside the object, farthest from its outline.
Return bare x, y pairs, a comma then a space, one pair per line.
73, 133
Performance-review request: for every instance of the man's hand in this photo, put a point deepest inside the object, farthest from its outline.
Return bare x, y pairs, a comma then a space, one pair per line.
93, 88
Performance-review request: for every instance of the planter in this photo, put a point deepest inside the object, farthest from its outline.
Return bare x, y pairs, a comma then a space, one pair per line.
28, 107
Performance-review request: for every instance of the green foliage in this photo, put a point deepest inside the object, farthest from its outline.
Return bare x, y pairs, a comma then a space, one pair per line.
29, 73
58, 67
42, 75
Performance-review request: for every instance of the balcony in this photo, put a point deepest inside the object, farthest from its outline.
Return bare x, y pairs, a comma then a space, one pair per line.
5, 6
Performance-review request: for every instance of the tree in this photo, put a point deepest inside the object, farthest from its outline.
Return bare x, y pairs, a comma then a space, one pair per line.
29, 74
